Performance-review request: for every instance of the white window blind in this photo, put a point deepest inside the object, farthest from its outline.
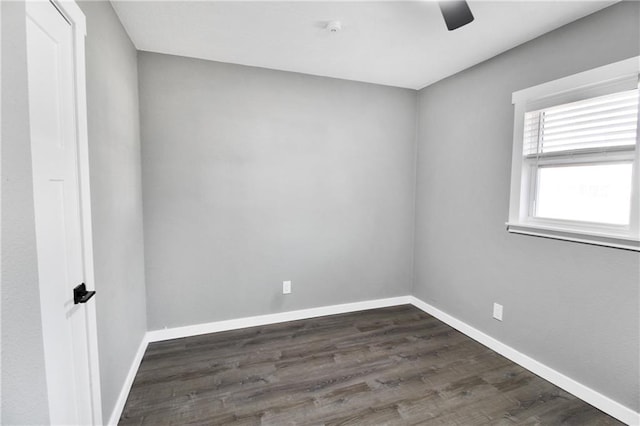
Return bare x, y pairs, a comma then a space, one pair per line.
604, 123
576, 158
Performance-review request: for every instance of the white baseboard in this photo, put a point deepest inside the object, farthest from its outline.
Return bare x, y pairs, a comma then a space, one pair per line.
609, 406
583, 392
234, 324
128, 382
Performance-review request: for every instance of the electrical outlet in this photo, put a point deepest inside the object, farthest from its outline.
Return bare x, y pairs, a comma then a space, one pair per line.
286, 287
497, 311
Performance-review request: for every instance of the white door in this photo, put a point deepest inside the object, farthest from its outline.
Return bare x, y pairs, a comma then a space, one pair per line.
53, 115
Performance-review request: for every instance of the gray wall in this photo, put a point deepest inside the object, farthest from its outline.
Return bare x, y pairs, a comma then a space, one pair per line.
116, 195
571, 306
24, 388
252, 177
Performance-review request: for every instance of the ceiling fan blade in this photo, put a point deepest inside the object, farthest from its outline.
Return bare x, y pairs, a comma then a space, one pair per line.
456, 13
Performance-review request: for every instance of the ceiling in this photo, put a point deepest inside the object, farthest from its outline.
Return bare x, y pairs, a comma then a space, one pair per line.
396, 43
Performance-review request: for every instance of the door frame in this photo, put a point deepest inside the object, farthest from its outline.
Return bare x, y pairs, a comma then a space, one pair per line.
74, 15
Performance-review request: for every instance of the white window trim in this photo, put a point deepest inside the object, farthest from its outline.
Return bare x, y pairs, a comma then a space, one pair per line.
611, 78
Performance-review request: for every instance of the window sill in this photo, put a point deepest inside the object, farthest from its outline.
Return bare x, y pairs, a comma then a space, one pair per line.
585, 237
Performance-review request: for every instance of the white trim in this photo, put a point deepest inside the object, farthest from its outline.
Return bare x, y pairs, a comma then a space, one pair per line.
583, 392
76, 18
72, 11
1, 208
566, 234
235, 324
128, 382
622, 71
619, 76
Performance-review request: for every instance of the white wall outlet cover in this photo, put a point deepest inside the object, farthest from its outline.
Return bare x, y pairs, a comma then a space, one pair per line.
497, 311
286, 287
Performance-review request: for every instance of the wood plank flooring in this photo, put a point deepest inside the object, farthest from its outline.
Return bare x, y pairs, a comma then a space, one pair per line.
396, 366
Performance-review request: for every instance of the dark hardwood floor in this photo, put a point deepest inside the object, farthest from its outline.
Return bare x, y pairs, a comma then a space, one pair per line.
385, 366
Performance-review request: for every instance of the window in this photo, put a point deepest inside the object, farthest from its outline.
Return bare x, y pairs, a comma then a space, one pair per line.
575, 171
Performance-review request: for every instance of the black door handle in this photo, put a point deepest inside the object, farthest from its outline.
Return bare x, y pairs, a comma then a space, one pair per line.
81, 295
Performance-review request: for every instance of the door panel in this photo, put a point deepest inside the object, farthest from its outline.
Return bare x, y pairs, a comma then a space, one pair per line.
52, 112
